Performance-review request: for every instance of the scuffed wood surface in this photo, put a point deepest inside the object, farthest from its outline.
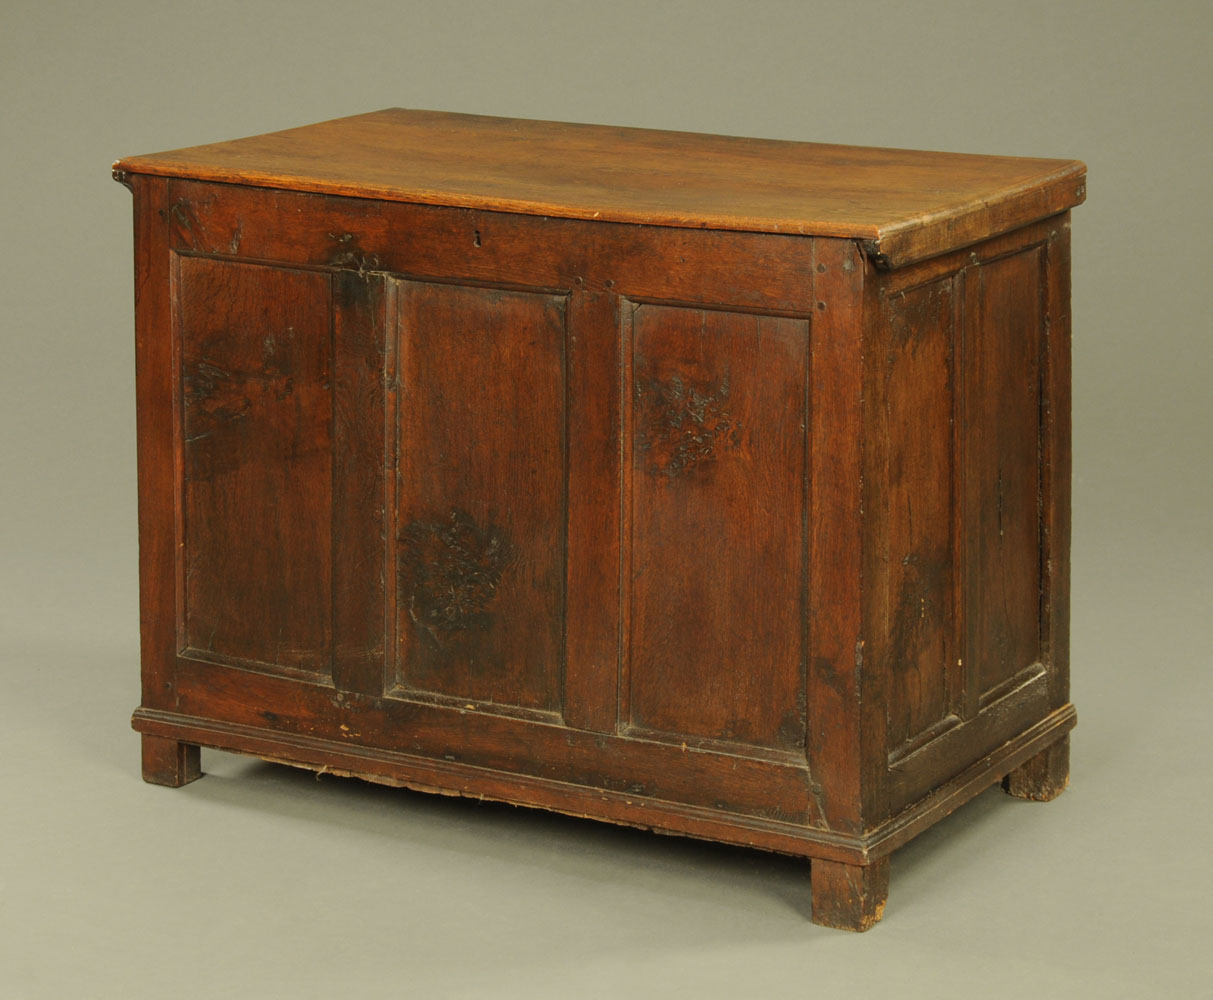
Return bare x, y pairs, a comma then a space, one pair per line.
905, 204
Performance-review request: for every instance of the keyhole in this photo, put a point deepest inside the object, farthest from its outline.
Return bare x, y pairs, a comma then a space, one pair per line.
476, 237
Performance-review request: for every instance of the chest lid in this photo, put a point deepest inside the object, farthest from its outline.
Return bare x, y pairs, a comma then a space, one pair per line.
903, 205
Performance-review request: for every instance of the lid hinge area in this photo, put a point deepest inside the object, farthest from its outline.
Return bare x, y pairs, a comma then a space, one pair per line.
871, 249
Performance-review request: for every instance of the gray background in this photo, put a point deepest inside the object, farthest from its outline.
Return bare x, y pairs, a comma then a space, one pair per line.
260, 881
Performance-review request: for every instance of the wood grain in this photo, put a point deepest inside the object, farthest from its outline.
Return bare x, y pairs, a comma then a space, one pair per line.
1009, 478
915, 473
612, 472
170, 762
1004, 330
484, 736
1043, 777
594, 593
480, 518
1056, 464
257, 437
849, 897
905, 204
360, 463
447, 776
156, 386
846, 723
719, 419
741, 270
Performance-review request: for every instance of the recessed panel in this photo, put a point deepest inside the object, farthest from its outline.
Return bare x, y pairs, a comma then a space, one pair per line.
1003, 334
255, 356
718, 515
918, 405
479, 532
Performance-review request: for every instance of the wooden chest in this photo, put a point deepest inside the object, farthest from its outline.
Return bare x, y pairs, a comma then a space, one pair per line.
712, 485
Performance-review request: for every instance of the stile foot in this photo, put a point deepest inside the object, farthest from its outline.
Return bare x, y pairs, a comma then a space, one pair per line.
168, 762
1042, 777
849, 897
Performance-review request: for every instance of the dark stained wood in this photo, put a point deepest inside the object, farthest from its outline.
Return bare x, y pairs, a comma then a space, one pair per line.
256, 431
952, 264
1001, 675
718, 509
1043, 777
849, 897
594, 594
480, 515
913, 473
941, 755
743, 270
1056, 464
907, 204
360, 461
170, 762
946, 797
453, 777
456, 778
487, 738
1004, 329
156, 385
497, 487
841, 731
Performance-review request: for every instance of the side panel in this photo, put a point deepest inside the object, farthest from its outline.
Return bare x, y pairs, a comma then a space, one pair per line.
1004, 330
156, 382
1057, 467
963, 649
481, 493
719, 507
255, 362
916, 473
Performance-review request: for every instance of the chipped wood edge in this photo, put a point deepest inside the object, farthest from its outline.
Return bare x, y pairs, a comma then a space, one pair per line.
925, 236
680, 819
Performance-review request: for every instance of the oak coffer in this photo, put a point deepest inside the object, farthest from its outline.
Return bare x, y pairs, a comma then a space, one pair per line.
712, 485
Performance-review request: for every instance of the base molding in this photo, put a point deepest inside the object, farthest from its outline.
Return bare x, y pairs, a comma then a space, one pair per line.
970, 783
679, 819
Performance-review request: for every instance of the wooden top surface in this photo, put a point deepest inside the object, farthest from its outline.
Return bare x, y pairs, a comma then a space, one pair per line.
904, 204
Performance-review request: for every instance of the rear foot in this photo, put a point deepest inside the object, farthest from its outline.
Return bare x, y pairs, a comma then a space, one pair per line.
1042, 777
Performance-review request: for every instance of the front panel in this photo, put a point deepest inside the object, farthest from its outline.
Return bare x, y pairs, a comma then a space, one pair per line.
719, 504
254, 356
423, 454
479, 519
